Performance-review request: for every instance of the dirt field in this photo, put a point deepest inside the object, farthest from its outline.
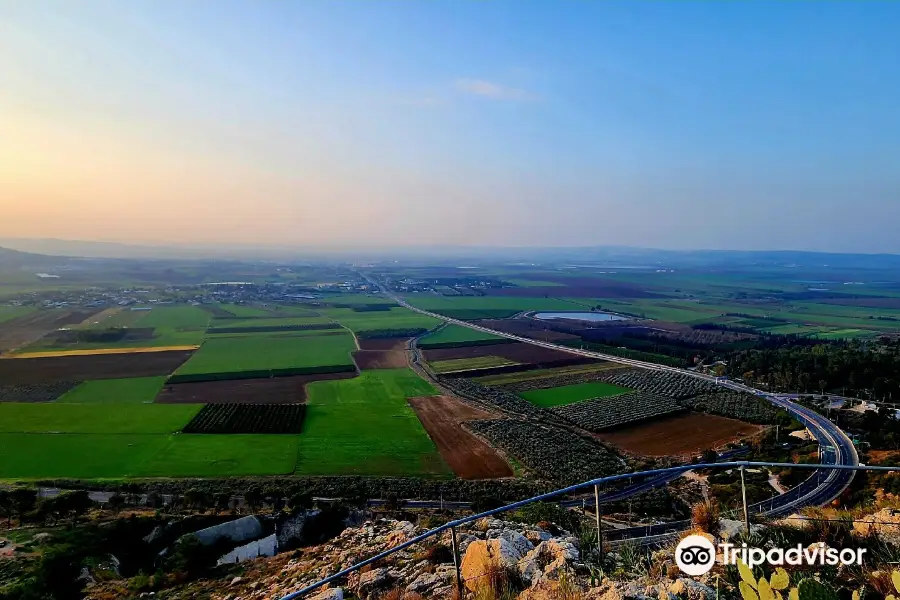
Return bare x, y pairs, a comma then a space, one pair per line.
683, 434
380, 359
271, 390
467, 455
24, 330
383, 344
98, 366
517, 352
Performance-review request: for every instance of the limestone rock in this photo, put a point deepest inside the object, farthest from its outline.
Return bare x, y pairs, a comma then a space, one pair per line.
331, 594
483, 555
373, 581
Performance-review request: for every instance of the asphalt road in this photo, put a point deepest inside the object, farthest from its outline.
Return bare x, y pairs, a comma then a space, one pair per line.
820, 488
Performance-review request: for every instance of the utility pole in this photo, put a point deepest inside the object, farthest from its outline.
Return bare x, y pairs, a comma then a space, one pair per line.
744, 499
599, 520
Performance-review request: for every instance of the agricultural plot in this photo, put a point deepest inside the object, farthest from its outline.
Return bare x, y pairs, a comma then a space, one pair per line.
468, 364
247, 418
452, 336
496, 399
11, 312
604, 413
657, 382
35, 392
678, 435
103, 366
395, 319
552, 377
553, 453
210, 455
21, 330
559, 396
94, 418
736, 405
136, 390
265, 390
262, 356
234, 325
364, 426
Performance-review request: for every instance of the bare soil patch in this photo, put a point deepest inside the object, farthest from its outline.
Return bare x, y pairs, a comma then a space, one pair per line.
683, 434
29, 328
380, 359
519, 352
270, 390
467, 455
382, 344
96, 366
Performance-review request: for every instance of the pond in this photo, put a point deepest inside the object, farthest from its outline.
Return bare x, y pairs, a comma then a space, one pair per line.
579, 316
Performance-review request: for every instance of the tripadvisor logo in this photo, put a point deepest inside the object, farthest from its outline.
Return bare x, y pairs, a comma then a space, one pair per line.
695, 555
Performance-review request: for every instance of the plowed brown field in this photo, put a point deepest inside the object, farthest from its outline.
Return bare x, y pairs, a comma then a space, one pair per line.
270, 390
380, 359
97, 366
467, 455
519, 352
683, 434
382, 344
19, 332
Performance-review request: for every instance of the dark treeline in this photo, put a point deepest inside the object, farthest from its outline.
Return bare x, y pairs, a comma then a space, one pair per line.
852, 368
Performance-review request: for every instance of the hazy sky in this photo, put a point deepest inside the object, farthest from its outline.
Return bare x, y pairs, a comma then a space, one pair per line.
665, 124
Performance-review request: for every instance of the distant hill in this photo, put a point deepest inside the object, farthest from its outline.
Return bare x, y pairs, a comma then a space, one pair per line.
16, 258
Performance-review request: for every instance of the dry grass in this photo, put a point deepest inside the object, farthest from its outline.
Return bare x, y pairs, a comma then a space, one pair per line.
705, 517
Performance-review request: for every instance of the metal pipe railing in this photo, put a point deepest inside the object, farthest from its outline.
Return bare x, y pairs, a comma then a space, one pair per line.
452, 525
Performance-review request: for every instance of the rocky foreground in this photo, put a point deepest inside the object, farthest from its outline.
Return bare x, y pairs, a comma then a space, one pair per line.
541, 562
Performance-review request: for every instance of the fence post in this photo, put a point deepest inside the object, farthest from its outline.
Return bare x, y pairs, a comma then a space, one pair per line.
456, 565
744, 499
599, 520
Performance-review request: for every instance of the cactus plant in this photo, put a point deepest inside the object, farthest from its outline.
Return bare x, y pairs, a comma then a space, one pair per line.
808, 589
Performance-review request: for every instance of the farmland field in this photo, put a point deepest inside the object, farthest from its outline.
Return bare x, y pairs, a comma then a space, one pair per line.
266, 353
364, 426
136, 390
603, 413
12, 312
105, 366
247, 418
225, 455
457, 335
464, 364
34, 392
682, 434
94, 418
395, 318
537, 374
568, 394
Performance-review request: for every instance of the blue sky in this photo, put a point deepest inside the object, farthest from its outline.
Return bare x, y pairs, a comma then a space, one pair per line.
673, 124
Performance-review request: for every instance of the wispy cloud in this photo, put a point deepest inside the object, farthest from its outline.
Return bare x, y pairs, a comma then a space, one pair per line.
493, 91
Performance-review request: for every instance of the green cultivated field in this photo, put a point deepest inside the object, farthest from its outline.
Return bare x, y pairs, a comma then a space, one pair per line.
462, 364
177, 317
83, 456
271, 321
136, 390
50, 417
209, 455
568, 394
240, 310
395, 318
456, 334
364, 426
262, 352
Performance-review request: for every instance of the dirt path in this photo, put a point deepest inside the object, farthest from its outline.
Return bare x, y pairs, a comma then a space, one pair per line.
467, 455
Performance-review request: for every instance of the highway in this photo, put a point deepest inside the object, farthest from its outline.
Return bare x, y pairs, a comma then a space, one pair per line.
837, 448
